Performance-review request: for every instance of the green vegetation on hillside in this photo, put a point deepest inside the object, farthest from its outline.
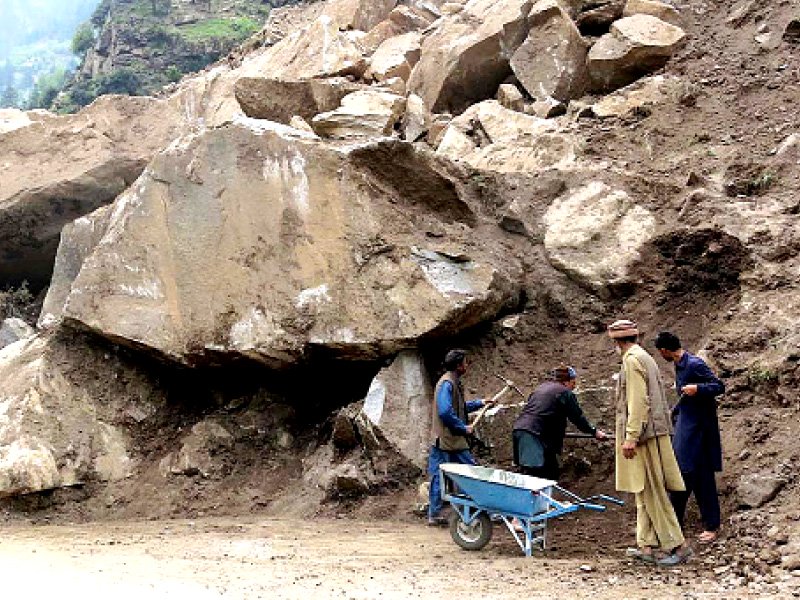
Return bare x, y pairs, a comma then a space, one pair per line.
156, 42
235, 29
83, 38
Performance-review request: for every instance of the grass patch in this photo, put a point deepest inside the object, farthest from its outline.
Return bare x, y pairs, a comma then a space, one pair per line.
238, 28
758, 375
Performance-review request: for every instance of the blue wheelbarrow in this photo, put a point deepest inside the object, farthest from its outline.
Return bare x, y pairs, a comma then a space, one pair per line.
479, 495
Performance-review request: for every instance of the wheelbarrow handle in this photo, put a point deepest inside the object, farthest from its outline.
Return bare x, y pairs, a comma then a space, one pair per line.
589, 502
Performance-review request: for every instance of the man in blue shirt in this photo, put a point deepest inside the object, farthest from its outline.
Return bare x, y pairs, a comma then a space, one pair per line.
449, 428
697, 443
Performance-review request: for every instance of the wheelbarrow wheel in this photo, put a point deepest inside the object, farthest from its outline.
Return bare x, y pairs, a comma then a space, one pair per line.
473, 536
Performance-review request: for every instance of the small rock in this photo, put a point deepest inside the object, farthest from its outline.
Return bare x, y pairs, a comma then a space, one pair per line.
756, 489
546, 109
792, 32
13, 329
300, 123
791, 562
509, 96
438, 126
451, 8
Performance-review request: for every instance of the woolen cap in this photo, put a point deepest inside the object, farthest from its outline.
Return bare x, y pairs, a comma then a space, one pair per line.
622, 329
564, 373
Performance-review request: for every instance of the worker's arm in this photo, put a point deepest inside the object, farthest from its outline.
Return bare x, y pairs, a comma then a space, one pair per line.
636, 398
473, 405
703, 380
444, 407
575, 414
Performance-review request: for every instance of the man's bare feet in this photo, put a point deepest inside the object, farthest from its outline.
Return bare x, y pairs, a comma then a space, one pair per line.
707, 537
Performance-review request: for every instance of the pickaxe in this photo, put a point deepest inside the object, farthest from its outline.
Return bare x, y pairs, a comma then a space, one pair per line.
509, 385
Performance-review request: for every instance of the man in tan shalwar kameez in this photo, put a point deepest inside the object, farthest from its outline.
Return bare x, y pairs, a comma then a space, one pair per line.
645, 462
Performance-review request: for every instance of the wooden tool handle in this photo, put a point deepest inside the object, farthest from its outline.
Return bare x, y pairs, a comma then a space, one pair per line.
486, 407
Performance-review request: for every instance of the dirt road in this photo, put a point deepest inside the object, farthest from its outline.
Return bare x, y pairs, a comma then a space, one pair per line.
223, 558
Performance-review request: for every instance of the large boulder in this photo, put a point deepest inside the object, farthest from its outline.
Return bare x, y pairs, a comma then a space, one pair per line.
661, 10
78, 240
488, 136
52, 433
466, 57
56, 170
358, 14
398, 405
258, 240
367, 113
595, 233
395, 57
637, 98
596, 18
207, 99
303, 74
551, 62
416, 120
402, 19
635, 46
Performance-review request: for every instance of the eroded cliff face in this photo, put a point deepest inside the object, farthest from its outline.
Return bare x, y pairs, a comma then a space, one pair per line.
142, 45
321, 218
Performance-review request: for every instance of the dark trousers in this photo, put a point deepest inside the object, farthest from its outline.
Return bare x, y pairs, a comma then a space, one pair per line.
703, 485
435, 458
549, 470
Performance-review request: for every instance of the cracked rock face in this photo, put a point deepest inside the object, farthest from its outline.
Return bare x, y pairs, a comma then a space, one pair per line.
258, 240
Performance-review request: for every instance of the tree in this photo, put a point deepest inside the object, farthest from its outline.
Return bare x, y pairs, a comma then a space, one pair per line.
83, 39
10, 97
160, 7
121, 81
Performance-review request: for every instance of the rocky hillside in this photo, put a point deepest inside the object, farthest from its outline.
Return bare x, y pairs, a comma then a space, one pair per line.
257, 275
139, 46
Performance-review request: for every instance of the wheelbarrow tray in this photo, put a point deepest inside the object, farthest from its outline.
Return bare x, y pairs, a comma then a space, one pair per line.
523, 503
495, 490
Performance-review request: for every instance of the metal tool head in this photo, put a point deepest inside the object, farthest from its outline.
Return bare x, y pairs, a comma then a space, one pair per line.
510, 384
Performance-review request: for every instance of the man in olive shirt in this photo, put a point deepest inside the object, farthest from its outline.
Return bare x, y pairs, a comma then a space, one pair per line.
645, 461
540, 428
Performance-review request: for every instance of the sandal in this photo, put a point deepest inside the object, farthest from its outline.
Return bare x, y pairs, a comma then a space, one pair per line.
678, 557
645, 557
